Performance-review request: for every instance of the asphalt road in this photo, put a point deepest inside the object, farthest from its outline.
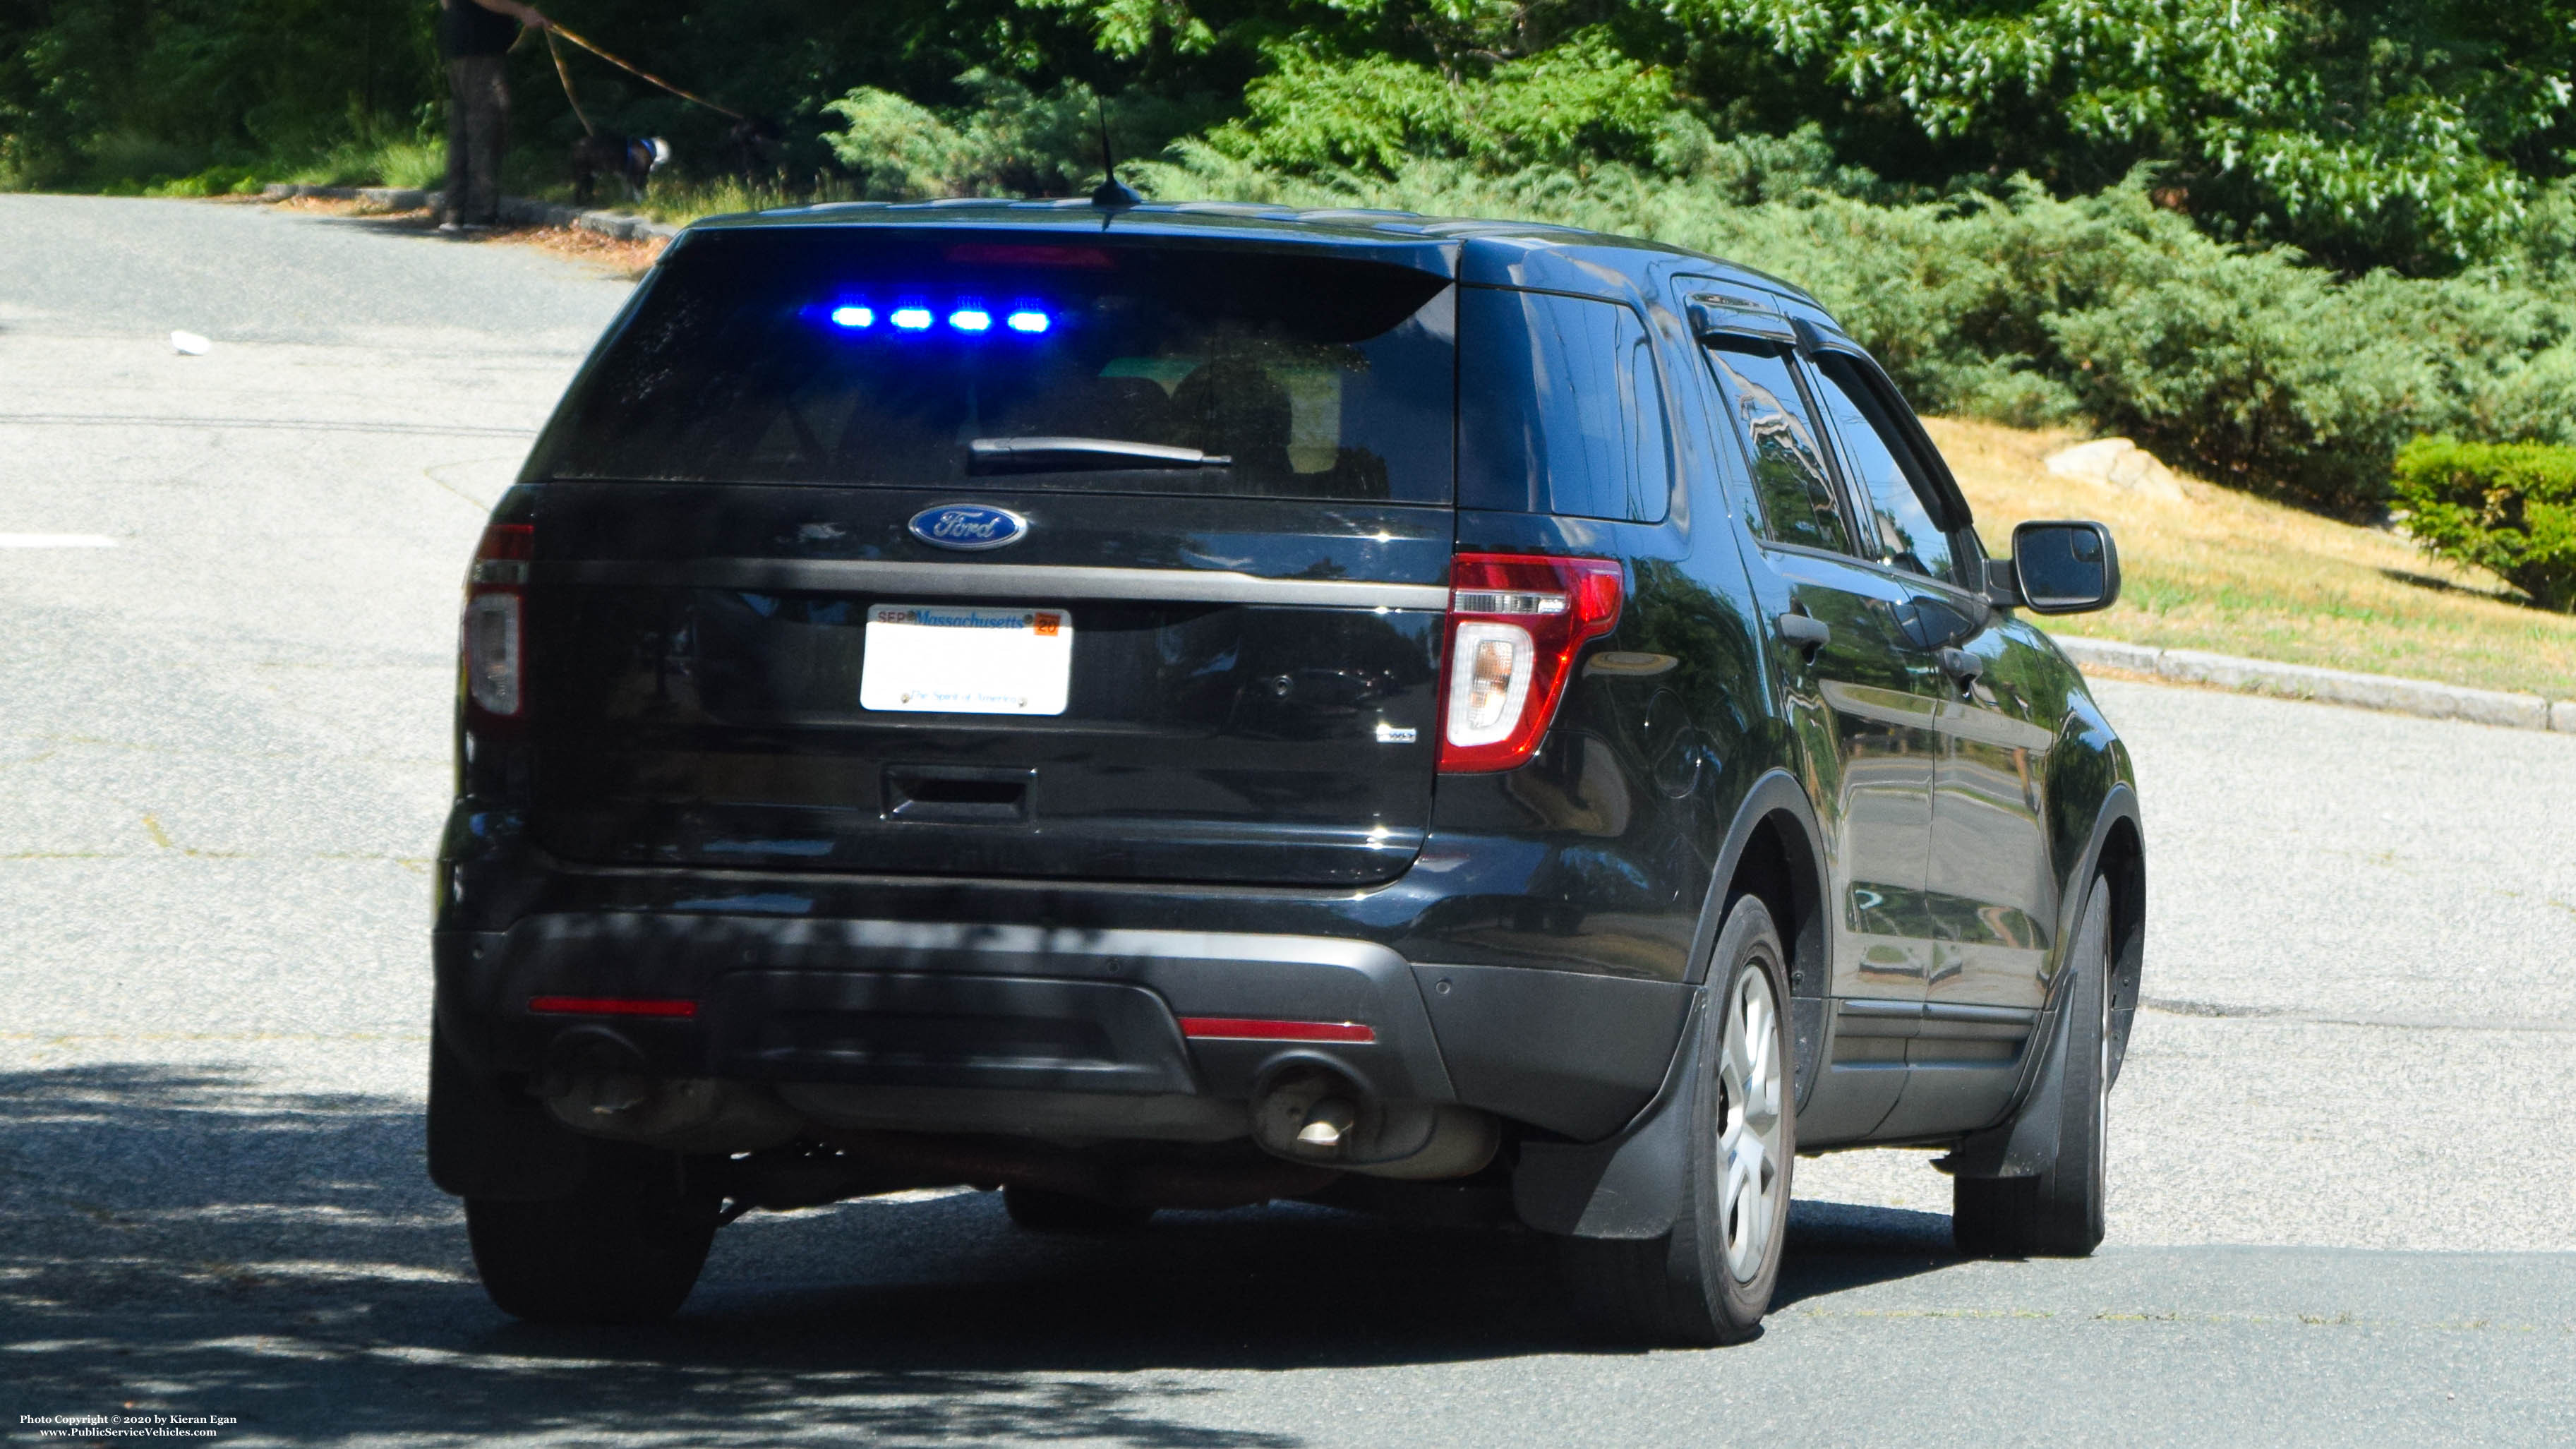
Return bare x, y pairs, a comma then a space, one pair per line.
2341, 1156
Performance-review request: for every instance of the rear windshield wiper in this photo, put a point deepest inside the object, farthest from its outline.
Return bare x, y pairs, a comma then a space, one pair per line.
1066, 455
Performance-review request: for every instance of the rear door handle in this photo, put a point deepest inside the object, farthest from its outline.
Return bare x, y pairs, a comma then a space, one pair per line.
1805, 631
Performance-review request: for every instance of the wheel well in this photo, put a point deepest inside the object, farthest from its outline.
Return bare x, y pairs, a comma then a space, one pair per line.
2123, 866
1779, 866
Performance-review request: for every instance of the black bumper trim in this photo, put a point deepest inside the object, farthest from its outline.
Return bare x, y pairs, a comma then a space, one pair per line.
486, 978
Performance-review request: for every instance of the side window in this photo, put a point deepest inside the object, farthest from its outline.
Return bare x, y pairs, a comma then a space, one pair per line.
1559, 409
1799, 503
1890, 477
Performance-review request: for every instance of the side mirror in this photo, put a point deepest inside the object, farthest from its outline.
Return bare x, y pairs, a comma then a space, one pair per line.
2059, 566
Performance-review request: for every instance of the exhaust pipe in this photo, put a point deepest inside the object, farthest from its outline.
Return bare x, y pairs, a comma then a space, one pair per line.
596, 1082
1311, 1113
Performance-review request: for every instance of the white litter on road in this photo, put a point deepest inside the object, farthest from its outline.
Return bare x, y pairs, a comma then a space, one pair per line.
189, 344
56, 540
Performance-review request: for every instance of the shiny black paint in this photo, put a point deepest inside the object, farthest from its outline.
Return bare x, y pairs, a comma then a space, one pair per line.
691, 725
1596, 861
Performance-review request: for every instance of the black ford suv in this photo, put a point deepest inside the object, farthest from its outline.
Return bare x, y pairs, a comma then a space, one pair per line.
1181, 706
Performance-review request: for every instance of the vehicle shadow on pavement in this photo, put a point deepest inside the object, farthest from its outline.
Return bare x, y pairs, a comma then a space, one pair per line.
1834, 1247
179, 1240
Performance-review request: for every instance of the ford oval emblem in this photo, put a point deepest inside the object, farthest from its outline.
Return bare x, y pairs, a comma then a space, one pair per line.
968, 525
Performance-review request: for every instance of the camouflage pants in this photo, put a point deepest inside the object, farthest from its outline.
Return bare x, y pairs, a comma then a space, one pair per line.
478, 127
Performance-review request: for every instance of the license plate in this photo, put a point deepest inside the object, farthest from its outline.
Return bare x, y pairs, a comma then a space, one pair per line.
943, 659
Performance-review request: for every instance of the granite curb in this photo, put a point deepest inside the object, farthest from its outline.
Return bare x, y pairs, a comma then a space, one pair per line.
619, 225
2325, 686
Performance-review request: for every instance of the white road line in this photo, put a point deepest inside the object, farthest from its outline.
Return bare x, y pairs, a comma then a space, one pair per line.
56, 540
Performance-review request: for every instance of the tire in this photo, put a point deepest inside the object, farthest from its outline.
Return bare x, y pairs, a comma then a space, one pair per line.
1710, 1278
2059, 1211
1041, 1211
626, 1247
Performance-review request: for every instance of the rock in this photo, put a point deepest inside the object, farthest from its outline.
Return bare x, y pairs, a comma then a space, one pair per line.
2117, 463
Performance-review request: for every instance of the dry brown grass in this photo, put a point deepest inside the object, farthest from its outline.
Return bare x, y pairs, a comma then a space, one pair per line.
628, 259
2227, 572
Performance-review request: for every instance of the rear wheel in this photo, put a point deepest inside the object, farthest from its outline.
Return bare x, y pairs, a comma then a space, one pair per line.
1709, 1280
1041, 1211
626, 1247
2058, 1212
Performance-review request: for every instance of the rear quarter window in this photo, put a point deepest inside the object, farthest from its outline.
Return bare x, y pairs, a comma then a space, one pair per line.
1559, 407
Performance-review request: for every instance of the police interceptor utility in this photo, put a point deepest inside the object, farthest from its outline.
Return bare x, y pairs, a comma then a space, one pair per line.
1182, 706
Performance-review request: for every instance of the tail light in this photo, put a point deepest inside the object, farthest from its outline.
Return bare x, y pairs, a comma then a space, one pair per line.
491, 642
1515, 625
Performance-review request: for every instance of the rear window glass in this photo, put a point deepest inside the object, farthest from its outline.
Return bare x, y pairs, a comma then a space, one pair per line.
1559, 410
847, 357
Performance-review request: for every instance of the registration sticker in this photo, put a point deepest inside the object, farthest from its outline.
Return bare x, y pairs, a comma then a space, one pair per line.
948, 659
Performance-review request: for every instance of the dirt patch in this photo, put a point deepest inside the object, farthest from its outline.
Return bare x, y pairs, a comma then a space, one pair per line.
624, 259
339, 206
627, 259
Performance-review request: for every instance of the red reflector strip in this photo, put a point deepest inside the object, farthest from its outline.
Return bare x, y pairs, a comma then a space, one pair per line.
1237, 1028
611, 1006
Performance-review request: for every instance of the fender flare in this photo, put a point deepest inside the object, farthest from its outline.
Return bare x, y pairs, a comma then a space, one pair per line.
1629, 1185
1776, 792
2026, 1140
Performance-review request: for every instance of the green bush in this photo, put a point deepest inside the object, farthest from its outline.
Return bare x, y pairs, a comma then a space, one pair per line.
1010, 142
2509, 508
2241, 364
1577, 101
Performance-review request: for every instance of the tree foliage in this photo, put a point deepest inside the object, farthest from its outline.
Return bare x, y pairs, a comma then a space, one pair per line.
1006, 140
2406, 133
2271, 239
2385, 127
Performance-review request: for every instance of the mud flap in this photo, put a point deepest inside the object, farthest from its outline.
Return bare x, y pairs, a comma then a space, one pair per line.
1631, 1185
487, 1143
2027, 1144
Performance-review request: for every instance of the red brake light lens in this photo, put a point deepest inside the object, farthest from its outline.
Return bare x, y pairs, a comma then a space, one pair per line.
1515, 624
1028, 254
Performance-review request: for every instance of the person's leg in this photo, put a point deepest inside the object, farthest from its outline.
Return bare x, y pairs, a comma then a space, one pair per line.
452, 204
496, 141
487, 120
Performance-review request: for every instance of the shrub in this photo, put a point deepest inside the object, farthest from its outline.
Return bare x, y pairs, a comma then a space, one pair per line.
2509, 508
1011, 141
1582, 100
2243, 364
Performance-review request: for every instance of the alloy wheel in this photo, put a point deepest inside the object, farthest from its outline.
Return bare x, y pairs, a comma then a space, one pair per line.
1749, 1125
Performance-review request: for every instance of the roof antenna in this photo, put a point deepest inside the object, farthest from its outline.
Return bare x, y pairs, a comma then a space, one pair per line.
1113, 194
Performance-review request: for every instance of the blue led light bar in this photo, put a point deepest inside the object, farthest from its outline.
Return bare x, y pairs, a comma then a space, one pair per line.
1029, 319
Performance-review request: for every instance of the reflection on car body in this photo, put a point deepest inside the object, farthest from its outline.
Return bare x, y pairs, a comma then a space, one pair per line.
1440, 716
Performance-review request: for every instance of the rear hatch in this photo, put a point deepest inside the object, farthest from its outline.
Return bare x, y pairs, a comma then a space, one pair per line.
952, 552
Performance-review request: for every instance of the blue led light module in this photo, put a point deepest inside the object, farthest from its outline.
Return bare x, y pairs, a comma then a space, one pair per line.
1026, 319
853, 317
970, 319
912, 319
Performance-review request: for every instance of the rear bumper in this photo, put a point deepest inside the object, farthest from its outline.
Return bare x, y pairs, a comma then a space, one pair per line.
908, 1005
